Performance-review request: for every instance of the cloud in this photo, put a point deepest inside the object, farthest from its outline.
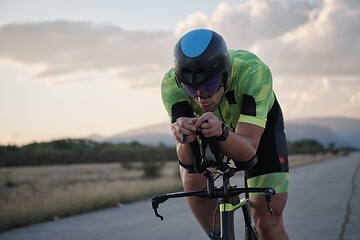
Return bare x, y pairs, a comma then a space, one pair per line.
295, 38
62, 48
312, 49
247, 23
319, 97
328, 44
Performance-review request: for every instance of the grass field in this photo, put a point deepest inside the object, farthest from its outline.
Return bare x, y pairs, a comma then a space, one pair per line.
35, 194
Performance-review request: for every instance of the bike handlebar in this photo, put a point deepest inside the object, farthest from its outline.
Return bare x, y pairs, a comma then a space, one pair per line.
217, 193
201, 164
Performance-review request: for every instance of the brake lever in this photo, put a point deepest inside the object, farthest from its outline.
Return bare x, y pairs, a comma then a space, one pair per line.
268, 195
158, 215
155, 205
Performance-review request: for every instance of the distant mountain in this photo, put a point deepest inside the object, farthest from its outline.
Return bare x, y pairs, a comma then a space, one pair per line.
96, 138
341, 131
153, 135
324, 135
150, 139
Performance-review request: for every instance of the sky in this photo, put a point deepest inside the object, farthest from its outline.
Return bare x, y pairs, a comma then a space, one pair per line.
73, 68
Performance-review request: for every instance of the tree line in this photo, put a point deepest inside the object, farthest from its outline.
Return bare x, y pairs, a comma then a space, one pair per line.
310, 146
75, 151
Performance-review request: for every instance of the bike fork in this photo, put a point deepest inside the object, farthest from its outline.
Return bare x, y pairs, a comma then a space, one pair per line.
250, 231
227, 208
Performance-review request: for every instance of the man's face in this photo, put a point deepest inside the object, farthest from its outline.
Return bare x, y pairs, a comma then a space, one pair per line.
210, 104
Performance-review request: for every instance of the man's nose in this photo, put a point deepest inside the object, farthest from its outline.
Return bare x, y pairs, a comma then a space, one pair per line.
200, 99
198, 93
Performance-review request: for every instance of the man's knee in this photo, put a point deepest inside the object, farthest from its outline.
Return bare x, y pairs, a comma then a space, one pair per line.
192, 181
260, 208
269, 226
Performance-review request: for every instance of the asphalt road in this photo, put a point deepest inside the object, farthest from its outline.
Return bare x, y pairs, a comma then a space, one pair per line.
324, 203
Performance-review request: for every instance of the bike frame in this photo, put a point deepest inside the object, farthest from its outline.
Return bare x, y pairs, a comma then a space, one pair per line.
228, 195
227, 219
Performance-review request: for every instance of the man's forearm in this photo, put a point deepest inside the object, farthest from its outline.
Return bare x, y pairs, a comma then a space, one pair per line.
238, 148
184, 153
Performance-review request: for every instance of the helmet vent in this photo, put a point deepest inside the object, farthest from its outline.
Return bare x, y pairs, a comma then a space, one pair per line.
186, 74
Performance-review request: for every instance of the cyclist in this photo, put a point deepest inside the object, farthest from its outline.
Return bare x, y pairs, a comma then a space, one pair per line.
227, 94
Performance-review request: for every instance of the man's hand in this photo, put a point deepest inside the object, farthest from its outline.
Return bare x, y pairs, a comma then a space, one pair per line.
211, 127
184, 130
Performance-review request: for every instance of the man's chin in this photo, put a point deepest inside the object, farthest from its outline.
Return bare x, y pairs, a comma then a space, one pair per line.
209, 108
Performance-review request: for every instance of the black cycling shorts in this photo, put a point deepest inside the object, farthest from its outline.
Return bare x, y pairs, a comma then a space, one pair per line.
272, 150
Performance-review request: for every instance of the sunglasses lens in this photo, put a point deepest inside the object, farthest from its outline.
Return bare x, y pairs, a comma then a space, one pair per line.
205, 90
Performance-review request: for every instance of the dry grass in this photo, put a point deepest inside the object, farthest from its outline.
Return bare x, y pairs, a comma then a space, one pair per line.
303, 159
34, 194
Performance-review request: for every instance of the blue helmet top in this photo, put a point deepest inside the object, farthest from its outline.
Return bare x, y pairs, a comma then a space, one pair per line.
200, 55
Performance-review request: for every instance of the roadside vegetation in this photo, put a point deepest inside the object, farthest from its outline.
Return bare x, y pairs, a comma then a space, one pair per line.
48, 181
42, 193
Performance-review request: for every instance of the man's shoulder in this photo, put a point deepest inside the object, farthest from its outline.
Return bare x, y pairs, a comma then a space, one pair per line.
241, 53
169, 75
169, 89
245, 57
248, 71
168, 79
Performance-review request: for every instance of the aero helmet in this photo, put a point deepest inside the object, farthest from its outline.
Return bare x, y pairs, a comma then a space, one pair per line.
201, 63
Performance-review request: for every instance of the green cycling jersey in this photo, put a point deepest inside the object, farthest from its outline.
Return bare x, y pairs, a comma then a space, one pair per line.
248, 98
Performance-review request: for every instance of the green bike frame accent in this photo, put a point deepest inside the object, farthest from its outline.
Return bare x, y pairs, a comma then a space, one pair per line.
228, 207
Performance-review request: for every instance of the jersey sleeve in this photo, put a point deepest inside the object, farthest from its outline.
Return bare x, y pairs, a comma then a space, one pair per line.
175, 101
258, 96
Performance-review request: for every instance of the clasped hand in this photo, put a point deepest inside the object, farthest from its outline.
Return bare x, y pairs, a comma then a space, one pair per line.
185, 128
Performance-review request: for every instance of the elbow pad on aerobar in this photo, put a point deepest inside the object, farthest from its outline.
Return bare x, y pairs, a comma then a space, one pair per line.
181, 109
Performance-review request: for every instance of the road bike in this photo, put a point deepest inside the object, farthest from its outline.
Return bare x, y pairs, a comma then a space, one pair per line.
227, 194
